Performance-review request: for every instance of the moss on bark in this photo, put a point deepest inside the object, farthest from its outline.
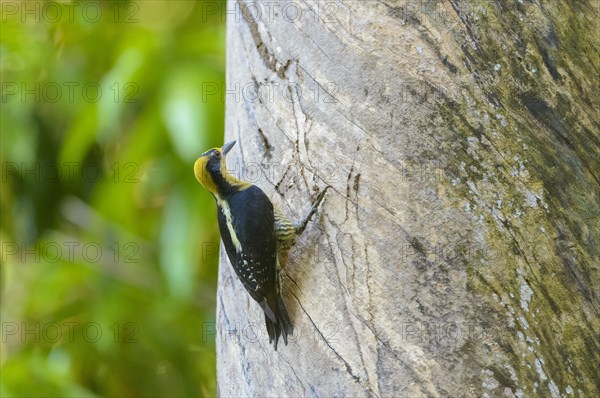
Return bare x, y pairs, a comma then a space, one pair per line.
527, 173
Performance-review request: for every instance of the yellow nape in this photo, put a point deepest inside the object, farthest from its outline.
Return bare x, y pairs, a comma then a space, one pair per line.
204, 177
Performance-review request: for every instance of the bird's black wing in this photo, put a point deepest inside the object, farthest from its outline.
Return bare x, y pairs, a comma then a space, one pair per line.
254, 227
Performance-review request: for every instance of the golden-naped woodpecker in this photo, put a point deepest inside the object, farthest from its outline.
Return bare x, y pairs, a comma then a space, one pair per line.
256, 234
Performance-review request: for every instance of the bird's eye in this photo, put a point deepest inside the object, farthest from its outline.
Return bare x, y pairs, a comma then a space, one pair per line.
217, 154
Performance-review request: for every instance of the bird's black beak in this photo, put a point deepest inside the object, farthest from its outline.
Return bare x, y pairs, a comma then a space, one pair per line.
227, 147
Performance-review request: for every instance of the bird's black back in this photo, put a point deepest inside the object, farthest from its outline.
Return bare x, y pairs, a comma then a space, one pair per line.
254, 225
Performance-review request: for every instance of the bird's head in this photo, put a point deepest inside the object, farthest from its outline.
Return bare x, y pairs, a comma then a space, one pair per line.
210, 168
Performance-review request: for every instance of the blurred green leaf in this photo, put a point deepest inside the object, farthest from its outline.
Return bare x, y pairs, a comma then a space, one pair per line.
104, 229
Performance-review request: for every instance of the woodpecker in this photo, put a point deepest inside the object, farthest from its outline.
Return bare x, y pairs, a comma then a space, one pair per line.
256, 234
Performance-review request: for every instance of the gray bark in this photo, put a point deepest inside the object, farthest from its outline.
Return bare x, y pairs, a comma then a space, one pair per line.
457, 251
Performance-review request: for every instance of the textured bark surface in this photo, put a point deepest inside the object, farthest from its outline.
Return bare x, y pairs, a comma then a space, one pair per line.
457, 253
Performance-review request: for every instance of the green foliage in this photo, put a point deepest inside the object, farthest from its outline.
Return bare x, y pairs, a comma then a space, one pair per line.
109, 245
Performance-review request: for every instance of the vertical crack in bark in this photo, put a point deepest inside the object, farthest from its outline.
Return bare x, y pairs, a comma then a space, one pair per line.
466, 23
293, 281
368, 279
266, 144
431, 390
267, 56
300, 381
348, 190
352, 270
298, 115
355, 186
278, 184
346, 364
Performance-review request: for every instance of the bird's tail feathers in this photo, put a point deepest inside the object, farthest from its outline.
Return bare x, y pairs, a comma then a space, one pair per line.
281, 325
267, 310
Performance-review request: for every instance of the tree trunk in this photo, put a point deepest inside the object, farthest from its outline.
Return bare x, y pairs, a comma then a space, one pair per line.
457, 252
